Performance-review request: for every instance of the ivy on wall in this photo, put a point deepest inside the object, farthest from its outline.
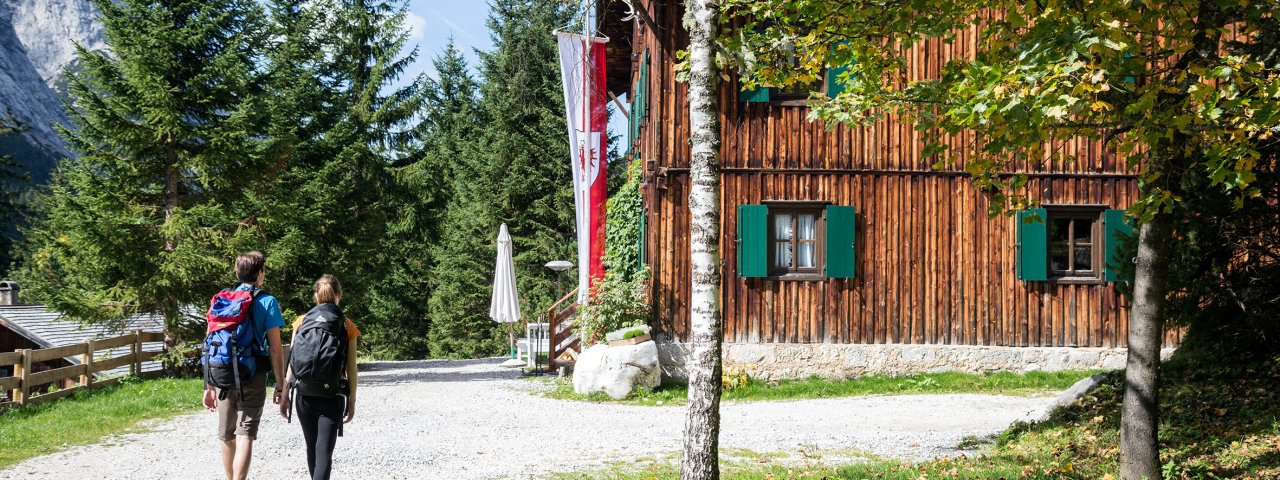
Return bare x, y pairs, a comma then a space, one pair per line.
620, 299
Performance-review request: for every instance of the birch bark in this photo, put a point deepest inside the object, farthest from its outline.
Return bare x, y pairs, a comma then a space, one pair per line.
702, 420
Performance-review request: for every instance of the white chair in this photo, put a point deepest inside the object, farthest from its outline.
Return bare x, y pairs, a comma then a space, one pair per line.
536, 340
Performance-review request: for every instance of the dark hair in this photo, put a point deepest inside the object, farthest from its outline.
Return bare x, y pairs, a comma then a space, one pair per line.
249, 265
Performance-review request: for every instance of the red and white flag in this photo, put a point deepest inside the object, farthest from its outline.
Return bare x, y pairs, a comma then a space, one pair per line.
582, 69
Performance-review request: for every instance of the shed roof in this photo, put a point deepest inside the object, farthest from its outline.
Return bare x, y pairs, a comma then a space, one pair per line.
49, 329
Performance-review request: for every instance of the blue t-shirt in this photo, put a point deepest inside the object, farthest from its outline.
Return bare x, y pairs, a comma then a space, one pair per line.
266, 316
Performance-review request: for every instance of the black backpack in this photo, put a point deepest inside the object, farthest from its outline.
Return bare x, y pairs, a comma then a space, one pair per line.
318, 356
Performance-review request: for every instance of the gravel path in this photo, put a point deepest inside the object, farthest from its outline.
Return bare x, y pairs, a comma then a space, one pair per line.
472, 419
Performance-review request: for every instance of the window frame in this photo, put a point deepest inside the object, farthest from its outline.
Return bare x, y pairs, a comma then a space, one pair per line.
795, 209
782, 97
1092, 213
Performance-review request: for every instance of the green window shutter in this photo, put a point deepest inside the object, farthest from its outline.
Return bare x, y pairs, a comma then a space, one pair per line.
632, 122
755, 95
753, 241
644, 80
1130, 80
644, 235
639, 104
1033, 245
1116, 227
834, 85
842, 238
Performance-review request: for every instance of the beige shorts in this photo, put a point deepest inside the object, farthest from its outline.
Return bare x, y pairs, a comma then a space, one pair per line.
240, 415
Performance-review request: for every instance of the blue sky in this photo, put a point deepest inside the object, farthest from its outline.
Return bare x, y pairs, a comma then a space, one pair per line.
432, 22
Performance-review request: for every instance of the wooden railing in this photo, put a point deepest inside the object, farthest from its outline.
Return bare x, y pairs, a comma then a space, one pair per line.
560, 318
22, 383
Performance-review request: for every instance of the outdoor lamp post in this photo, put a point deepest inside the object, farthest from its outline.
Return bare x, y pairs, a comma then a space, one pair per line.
559, 266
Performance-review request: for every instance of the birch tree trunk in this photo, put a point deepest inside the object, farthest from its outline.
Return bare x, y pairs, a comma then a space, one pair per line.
702, 421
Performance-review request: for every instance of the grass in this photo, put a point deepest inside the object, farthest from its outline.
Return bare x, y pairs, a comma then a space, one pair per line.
88, 416
1220, 418
998, 383
746, 469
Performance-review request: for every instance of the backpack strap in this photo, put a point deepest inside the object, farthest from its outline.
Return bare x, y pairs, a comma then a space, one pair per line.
206, 366
253, 327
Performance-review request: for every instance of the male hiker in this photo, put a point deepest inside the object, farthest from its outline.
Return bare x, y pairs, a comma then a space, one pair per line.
244, 338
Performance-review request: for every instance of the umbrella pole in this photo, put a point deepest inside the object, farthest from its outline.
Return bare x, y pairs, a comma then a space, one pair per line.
511, 332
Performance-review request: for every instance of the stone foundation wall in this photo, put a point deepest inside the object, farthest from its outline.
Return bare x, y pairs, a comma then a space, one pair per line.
775, 361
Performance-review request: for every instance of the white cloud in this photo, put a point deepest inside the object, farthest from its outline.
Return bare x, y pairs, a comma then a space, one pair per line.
417, 25
454, 28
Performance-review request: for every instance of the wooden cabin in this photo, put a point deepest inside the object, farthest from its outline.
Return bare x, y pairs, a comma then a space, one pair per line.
846, 246
35, 327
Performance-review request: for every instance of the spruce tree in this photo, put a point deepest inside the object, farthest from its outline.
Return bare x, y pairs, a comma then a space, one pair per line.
448, 132
13, 181
519, 174
149, 214
337, 126
296, 117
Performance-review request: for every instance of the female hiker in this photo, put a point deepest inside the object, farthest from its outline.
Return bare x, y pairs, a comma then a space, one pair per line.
322, 375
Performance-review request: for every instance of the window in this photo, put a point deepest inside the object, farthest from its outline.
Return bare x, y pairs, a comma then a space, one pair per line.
796, 241
798, 90
794, 238
1070, 243
1072, 249
797, 93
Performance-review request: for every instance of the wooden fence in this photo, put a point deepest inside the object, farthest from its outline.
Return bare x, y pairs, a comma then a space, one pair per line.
22, 383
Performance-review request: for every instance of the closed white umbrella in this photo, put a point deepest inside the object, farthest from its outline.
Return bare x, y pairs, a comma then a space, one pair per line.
504, 306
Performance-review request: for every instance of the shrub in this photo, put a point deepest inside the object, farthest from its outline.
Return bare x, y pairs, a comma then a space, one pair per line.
621, 298
618, 303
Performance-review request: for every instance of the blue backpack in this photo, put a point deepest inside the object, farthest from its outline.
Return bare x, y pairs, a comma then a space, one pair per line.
231, 347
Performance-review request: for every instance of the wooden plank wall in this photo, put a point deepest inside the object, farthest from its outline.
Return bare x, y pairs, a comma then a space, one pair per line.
932, 266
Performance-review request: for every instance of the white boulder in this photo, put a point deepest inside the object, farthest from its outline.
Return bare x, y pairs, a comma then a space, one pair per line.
617, 371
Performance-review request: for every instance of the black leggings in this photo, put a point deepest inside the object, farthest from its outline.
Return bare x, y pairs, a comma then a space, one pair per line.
320, 418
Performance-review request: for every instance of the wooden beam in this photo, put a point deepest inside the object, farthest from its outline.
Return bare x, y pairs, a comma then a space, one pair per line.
56, 374
86, 359
102, 365
49, 397
137, 352
10, 358
621, 106
662, 171
56, 352
21, 370
643, 12
113, 342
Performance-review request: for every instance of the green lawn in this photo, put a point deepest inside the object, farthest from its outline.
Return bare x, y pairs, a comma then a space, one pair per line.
87, 416
1220, 419
998, 383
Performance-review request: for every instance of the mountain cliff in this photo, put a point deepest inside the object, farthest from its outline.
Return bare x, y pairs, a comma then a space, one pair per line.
37, 47
50, 29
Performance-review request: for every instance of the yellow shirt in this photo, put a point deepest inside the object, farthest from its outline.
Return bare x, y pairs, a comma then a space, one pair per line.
352, 331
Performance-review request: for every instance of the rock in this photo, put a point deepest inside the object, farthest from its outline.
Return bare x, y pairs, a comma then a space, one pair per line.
50, 30
617, 371
28, 103
1071, 395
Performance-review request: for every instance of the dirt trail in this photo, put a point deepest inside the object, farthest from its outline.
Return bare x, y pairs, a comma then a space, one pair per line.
475, 420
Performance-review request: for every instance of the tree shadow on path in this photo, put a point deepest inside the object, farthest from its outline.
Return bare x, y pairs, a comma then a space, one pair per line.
436, 371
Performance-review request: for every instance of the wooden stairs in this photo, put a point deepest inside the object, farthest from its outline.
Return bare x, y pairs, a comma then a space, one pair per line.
562, 323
